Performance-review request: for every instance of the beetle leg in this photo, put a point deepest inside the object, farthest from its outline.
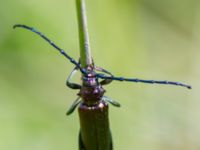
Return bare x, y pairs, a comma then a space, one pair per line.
111, 101
111, 144
105, 81
73, 106
73, 85
80, 141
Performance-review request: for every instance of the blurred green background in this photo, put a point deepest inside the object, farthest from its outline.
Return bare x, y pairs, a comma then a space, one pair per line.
149, 39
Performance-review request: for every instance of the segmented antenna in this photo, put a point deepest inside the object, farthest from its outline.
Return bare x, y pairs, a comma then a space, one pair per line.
102, 76
52, 44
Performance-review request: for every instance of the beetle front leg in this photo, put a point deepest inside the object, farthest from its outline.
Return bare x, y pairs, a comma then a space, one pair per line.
70, 84
105, 81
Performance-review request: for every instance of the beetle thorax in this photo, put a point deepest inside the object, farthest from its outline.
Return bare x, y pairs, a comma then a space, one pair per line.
91, 91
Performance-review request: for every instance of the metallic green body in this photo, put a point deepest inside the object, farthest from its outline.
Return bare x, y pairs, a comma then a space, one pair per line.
94, 127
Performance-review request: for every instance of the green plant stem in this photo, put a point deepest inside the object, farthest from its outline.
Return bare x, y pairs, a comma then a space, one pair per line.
85, 54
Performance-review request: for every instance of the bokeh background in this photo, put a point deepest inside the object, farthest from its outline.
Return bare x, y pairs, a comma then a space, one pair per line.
150, 39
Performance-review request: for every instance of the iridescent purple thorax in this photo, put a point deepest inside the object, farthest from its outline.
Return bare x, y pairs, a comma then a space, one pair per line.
91, 91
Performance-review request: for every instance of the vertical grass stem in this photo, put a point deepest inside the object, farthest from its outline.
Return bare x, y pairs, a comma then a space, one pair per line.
85, 54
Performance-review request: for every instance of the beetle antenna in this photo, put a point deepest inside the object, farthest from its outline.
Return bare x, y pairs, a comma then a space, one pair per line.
52, 44
102, 76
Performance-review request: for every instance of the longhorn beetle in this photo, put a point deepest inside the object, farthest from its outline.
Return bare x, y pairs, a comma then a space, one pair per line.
93, 105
